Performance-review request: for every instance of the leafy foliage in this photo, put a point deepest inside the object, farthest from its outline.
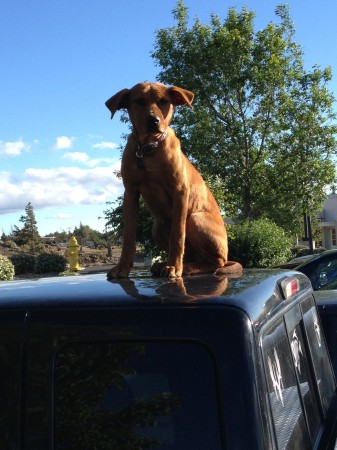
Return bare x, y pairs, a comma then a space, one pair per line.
262, 124
6, 269
259, 243
28, 235
23, 263
49, 262
10, 244
302, 250
115, 220
85, 233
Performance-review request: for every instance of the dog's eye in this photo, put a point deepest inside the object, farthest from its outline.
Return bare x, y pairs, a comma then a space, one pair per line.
163, 102
140, 101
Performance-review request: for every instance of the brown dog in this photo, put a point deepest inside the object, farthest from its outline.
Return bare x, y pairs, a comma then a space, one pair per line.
188, 223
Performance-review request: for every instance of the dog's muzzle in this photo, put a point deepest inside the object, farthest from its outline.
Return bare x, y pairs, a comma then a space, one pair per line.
153, 123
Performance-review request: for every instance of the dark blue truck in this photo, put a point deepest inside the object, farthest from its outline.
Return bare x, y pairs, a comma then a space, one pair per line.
202, 363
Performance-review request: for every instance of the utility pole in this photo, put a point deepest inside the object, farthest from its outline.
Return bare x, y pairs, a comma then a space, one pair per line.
308, 233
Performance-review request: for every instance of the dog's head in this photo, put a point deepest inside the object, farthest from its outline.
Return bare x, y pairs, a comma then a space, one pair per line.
150, 106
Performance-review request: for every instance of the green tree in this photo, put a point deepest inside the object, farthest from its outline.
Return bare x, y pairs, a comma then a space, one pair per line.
263, 127
4, 237
28, 234
59, 236
85, 233
114, 221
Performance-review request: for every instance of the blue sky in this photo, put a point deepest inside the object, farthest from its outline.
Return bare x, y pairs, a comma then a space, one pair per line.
61, 60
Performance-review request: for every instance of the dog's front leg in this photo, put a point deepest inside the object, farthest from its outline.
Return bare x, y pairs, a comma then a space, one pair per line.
174, 267
130, 213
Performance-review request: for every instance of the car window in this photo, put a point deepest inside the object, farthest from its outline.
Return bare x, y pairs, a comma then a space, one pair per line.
304, 259
136, 396
324, 274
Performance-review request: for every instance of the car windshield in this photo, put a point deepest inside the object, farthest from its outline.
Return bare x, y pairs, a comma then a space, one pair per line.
303, 259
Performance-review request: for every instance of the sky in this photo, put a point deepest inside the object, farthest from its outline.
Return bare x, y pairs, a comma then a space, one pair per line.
61, 60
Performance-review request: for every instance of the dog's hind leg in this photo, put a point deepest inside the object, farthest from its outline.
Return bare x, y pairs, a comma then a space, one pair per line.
206, 239
207, 247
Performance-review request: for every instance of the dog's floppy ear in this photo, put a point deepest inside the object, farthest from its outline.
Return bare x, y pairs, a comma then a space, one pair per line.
118, 101
181, 96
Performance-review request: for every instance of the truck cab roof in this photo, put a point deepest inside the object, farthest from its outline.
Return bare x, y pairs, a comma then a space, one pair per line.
258, 290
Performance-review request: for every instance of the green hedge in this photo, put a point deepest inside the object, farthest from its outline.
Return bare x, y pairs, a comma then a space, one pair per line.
23, 263
50, 262
259, 243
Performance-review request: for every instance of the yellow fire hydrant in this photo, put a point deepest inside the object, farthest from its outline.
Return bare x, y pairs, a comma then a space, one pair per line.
72, 254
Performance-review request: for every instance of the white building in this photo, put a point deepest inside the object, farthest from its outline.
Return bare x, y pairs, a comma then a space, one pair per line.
329, 222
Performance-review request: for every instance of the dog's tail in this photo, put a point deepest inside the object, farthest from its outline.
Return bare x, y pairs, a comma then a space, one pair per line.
230, 268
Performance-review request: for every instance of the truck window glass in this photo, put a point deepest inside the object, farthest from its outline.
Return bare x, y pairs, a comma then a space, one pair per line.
287, 414
318, 350
139, 395
293, 320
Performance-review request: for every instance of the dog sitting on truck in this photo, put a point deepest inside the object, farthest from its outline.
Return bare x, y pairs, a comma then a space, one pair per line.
187, 219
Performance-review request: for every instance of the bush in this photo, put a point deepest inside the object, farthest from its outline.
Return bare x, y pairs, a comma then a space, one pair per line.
23, 263
302, 250
50, 262
6, 269
259, 243
10, 244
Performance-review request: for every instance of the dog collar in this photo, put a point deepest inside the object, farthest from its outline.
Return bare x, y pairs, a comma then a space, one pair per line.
148, 149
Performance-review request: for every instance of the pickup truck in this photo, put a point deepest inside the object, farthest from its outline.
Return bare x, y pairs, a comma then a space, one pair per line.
202, 363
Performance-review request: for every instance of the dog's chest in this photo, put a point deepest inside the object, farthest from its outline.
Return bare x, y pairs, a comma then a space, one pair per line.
158, 199
146, 166
157, 181
161, 167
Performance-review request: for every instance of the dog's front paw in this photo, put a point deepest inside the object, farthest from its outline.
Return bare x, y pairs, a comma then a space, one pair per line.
118, 272
170, 272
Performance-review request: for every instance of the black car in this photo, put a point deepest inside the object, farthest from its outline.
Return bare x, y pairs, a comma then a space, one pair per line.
320, 268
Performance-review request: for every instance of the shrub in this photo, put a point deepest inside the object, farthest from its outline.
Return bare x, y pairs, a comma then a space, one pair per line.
259, 243
50, 262
6, 269
302, 250
23, 263
10, 244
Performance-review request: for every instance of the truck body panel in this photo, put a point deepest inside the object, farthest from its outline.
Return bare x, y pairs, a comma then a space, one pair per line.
199, 362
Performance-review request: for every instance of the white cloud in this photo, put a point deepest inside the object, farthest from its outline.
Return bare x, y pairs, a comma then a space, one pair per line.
77, 156
107, 161
13, 148
61, 186
62, 216
86, 160
63, 142
104, 144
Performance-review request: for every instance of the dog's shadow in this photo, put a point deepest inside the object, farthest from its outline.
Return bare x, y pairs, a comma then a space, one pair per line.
174, 289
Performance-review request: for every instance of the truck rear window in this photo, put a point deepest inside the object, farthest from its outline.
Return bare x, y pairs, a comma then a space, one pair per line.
139, 395
300, 380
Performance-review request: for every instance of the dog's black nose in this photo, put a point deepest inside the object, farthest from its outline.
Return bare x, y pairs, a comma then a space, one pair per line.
153, 123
